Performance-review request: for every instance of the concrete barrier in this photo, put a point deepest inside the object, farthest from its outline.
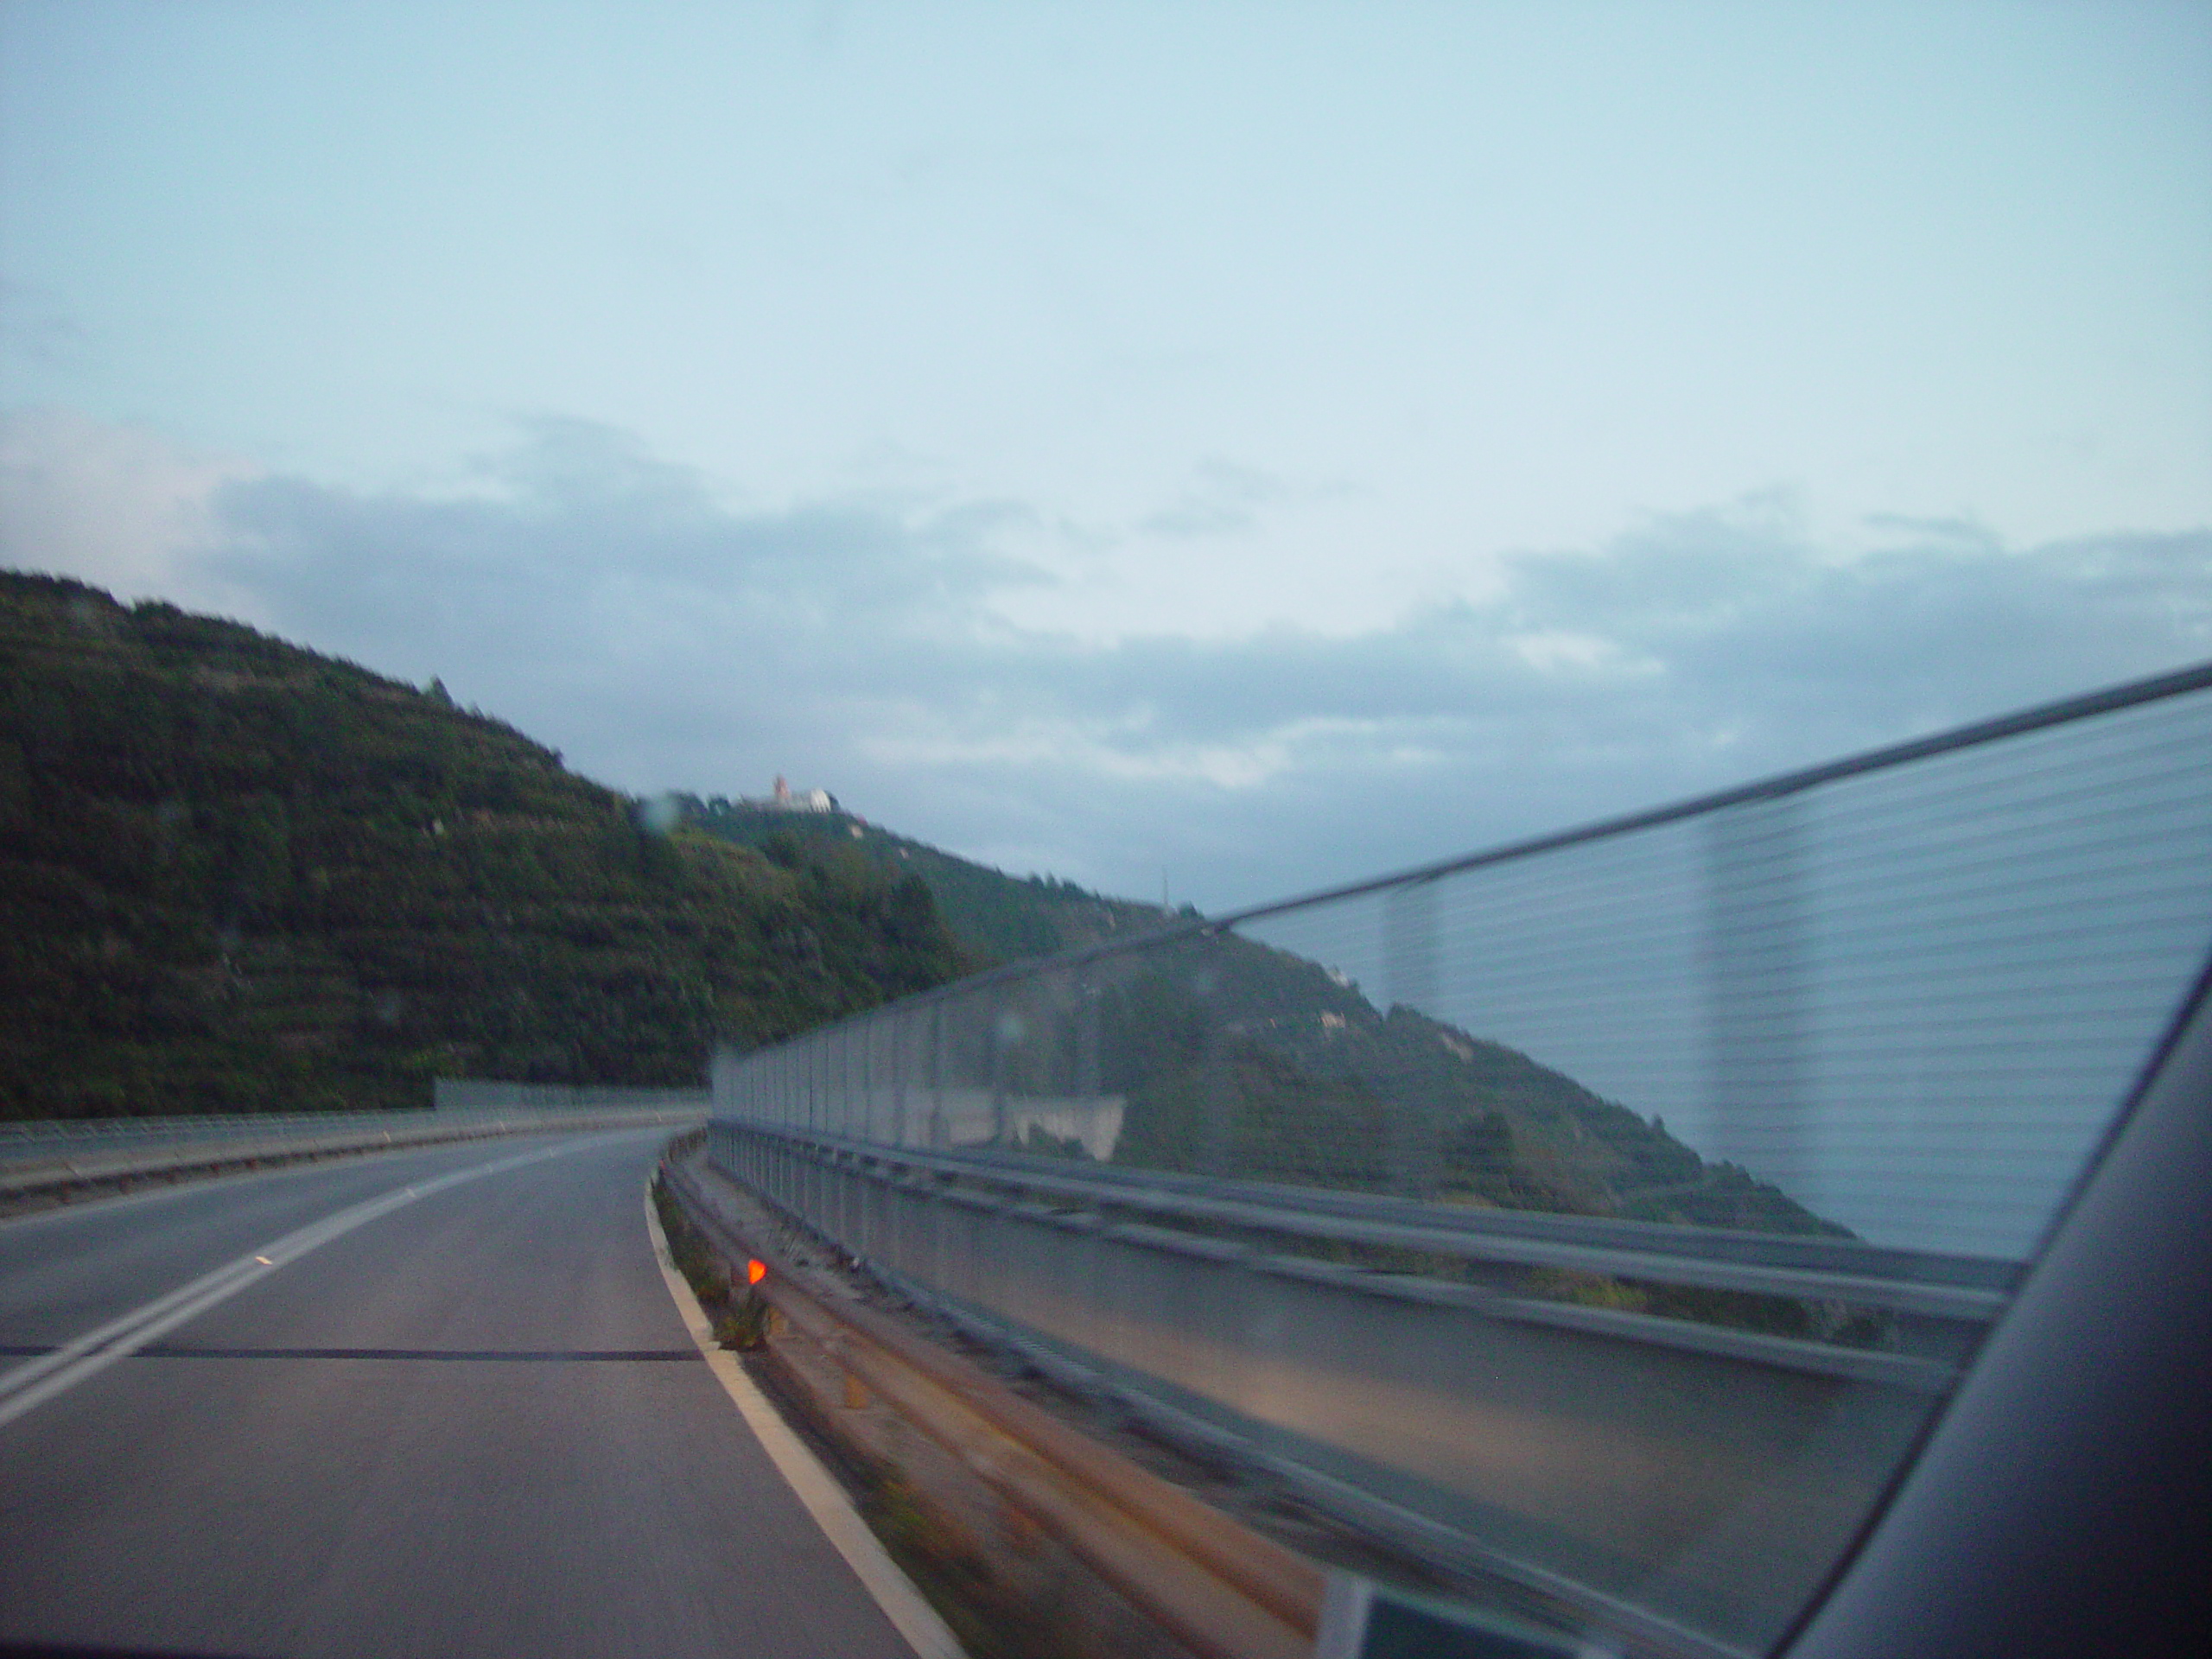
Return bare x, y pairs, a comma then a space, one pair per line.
487, 1095
57, 1165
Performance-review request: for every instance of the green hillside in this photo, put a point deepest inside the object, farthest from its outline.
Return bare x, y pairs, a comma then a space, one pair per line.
235, 875
1000, 918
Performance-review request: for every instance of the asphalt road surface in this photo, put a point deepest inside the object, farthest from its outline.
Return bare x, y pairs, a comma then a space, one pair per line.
455, 1412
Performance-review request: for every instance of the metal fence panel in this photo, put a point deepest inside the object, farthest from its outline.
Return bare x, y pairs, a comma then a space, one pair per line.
1612, 1208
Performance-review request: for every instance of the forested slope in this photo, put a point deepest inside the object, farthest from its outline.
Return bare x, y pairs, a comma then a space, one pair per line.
999, 916
236, 875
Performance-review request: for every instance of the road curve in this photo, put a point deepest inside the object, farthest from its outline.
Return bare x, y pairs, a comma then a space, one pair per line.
454, 1412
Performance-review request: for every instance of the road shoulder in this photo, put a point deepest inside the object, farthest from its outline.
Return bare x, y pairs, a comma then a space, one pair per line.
910, 1614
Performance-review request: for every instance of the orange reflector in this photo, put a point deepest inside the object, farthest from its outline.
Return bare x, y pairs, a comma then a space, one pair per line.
755, 1271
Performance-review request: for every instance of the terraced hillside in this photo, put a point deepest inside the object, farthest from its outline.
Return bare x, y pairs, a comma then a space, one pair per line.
236, 875
1000, 917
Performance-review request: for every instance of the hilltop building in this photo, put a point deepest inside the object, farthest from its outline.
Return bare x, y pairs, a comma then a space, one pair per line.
784, 800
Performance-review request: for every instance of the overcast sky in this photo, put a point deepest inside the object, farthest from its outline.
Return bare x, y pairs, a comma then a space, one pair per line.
1268, 444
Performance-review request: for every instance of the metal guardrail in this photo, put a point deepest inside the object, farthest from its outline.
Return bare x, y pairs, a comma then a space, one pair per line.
1593, 1455
30, 1132
1221, 1589
1969, 1289
491, 1095
1806, 1070
48, 1159
22, 1138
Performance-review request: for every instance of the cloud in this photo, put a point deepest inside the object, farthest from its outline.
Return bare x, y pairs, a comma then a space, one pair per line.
119, 505
1221, 498
621, 609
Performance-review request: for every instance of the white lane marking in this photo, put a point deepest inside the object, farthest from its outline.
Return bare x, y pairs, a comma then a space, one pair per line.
32, 1385
23, 1375
910, 1613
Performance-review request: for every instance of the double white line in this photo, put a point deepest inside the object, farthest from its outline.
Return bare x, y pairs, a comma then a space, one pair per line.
33, 1384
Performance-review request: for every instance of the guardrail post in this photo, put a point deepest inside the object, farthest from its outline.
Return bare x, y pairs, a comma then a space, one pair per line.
1001, 1029
899, 1036
1410, 982
852, 1058
1086, 1036
864, 1041
936, 1076
1758, 971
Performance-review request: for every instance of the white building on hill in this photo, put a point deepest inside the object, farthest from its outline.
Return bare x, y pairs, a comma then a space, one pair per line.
784, 800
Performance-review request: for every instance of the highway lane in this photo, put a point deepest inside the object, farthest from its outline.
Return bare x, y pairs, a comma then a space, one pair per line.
63, 1271
472, 1423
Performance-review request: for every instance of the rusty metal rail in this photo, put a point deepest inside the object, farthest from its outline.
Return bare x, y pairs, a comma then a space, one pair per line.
1222, 1589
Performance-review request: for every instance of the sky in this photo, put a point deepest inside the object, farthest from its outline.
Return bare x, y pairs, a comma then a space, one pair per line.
1245, 447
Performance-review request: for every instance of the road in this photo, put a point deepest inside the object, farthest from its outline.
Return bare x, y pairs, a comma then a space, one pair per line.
454, 1412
